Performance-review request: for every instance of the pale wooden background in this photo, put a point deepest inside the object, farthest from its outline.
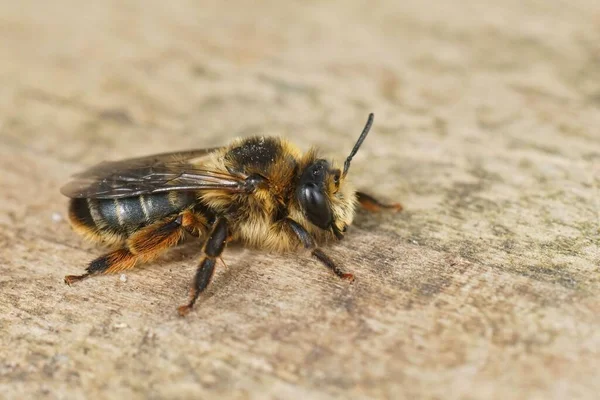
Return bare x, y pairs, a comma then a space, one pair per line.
487, 129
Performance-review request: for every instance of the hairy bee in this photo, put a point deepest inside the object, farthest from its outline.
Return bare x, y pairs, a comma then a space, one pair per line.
260, 191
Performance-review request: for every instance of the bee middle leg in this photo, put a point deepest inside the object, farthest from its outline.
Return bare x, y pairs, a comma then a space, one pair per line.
370, 203
309, 243
145, 245
213, 248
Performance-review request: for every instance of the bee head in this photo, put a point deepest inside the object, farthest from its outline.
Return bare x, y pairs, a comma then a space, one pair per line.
327, 201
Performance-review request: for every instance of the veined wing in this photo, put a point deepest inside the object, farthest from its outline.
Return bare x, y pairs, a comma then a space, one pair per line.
151, 174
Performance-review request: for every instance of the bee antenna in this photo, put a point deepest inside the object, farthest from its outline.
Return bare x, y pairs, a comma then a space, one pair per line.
360, 140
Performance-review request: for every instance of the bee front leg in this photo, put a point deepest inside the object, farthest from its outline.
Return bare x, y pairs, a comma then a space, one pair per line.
309, 243
213, 248
370, 203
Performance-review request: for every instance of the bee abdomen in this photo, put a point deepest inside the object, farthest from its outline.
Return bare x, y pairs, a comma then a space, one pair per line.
80, 213
123, 216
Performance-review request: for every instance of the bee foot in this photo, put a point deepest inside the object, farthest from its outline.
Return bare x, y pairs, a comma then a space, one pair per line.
184, 310
347, 276
397, 207
70, 279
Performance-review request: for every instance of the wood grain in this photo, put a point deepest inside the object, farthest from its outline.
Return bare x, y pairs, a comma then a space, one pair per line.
487, 116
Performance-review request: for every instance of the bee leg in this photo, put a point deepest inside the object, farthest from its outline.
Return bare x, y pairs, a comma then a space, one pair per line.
194, 224
309, 243
370, 203
213, 248
144, 245
324, 258
114, 261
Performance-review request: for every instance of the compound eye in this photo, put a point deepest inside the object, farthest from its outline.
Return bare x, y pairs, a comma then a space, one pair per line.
315, 206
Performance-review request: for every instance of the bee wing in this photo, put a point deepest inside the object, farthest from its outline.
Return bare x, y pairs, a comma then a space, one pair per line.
152, 174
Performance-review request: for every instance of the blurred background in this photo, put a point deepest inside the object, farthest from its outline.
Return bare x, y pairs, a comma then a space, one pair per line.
486, 129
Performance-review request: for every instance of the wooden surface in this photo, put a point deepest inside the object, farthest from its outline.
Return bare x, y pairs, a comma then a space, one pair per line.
487, 130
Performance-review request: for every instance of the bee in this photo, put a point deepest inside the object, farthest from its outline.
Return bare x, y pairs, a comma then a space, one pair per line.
260, 191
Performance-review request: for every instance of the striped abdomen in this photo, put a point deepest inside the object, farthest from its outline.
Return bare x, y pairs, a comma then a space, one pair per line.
115, 219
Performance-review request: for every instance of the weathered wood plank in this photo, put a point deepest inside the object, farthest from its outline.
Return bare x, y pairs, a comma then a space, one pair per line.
487, 286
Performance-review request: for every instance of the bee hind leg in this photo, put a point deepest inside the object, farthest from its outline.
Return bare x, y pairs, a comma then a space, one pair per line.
142, 246
118, 260
213, 248
309, 243
370, 203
